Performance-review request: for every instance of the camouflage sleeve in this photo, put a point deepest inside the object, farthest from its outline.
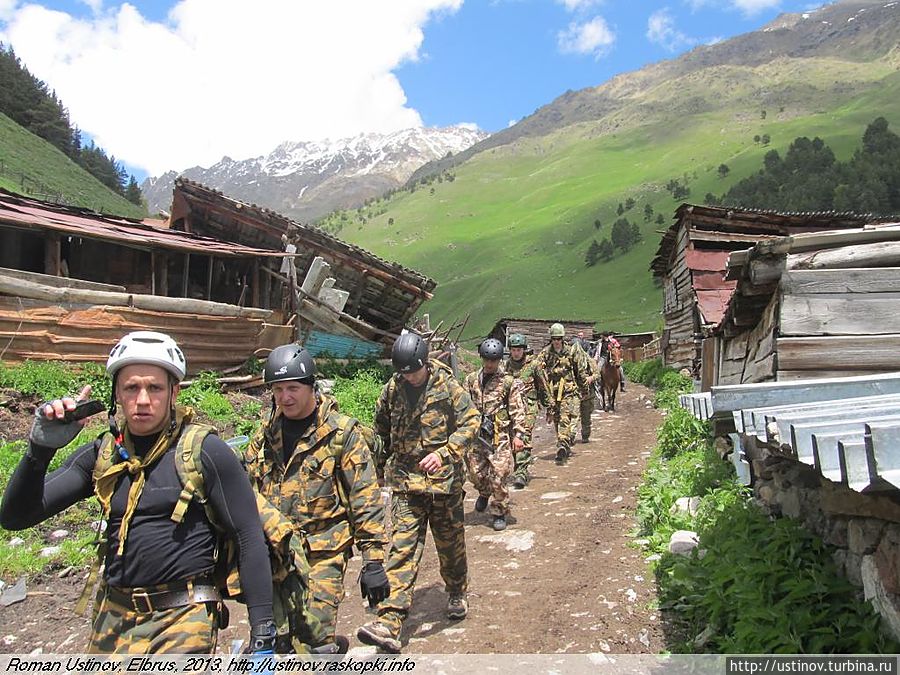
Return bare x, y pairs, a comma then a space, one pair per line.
468, 421
516, 407
366, 510
540, 381
582, 369
253, 452
383, 424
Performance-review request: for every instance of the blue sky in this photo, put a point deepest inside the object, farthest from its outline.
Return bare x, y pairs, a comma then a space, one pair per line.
166, 85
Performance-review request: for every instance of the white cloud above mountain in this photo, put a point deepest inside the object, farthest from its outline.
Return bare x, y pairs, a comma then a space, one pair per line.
588, 37
229, 78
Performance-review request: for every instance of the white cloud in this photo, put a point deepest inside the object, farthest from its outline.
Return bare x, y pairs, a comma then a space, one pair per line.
592, 37
661, 30
6, 10
751, 7
226, 78
95, 5
747, 7
579, 5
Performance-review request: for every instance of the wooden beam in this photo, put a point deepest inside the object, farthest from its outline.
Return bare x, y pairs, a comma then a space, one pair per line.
840, 314
255, 284
857, 352
52, 254
878, 254
866, 280
209, 277
187, 271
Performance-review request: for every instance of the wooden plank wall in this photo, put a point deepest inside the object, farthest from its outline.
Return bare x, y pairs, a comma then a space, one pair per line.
41, 331
838, 322
679, 310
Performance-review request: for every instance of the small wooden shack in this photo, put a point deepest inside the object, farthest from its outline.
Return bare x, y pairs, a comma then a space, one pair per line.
691, 262
815, 305
633, 344
381, 296
537, 331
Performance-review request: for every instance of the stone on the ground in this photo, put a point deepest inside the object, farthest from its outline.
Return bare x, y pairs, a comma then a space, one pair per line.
58, 535
513, 540
688, 505
15, 542
555, 495
683, 542
50, 551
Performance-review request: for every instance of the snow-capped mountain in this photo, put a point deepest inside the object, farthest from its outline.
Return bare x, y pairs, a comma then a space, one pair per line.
307, 180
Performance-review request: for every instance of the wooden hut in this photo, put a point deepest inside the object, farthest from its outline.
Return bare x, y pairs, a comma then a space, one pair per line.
74, 281
812, 305
691, 262
381, 296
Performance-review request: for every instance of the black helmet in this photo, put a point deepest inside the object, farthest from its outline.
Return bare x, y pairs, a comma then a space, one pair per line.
410, 353
290, 362
491, 349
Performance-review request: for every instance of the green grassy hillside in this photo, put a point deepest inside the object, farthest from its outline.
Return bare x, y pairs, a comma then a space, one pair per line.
508, 236
30, 165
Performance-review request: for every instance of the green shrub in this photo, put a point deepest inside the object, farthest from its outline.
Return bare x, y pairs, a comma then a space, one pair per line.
332, 369
357, 396
204, 395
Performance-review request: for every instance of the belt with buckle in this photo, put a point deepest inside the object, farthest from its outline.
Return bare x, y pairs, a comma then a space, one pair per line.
147, 600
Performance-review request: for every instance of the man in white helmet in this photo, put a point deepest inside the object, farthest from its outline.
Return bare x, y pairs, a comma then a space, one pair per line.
157, 594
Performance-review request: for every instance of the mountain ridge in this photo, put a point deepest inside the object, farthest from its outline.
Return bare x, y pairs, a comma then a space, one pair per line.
308, 179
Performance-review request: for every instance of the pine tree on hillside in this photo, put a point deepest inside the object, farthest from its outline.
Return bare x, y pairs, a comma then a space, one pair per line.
133, 192
810, 179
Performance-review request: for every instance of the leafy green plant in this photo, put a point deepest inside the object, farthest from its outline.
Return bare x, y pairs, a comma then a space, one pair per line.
357, 396
55, 379
204, 395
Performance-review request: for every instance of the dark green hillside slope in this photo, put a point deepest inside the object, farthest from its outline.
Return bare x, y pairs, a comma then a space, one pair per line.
30, 165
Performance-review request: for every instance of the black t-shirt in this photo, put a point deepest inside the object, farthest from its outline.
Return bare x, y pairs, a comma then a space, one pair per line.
413, 394
157, 550
292, 431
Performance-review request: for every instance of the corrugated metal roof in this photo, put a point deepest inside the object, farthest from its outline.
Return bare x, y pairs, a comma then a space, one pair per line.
340, 346
713, 303
31, 214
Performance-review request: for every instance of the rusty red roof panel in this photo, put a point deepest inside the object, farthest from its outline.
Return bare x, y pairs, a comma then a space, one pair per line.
713, 303
32, 214
707, 260
710, 281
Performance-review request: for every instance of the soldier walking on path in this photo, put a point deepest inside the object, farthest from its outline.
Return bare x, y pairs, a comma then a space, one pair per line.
497, 395
157, 593
313, 463
522, 368
587, 397
563, 374
427, 423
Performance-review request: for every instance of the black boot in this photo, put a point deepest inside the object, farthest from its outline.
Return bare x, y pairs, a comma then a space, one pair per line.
519, 482
561, 455
481, 503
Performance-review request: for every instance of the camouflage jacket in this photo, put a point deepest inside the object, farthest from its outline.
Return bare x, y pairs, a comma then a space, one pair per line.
593, 370
568, 369
328, 488
443, 421
500, 399
525, 373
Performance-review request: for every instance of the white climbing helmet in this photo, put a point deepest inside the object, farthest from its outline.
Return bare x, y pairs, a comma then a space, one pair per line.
147, 347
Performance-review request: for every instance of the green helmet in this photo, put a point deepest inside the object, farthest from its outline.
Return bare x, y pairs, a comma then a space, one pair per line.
557, 330
517, 340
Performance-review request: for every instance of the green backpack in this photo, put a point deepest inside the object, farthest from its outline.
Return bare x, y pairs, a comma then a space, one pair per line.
297, 627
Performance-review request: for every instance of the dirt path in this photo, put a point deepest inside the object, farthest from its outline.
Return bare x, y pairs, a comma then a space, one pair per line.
561, 578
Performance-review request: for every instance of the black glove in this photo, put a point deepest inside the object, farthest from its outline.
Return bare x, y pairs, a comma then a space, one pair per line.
48, 435
262, 639
373, 583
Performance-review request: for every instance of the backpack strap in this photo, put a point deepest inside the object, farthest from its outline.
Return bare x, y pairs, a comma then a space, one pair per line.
189, 467
345, 425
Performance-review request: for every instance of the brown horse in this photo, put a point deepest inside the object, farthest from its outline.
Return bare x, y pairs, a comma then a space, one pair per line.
609, 377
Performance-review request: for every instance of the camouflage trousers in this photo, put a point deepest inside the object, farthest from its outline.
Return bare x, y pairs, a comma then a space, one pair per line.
411, 514
523, 458
489, 472
119, 629
326, 587
586, 407
565, 416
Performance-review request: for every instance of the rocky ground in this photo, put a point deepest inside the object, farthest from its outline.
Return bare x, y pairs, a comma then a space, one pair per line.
565, 576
